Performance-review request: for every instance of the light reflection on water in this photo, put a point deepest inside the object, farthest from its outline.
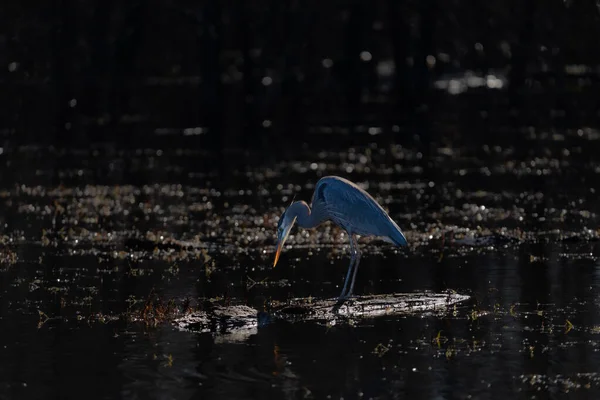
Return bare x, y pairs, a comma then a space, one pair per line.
89, 247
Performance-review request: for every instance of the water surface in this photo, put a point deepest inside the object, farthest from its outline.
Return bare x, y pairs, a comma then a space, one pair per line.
93, 237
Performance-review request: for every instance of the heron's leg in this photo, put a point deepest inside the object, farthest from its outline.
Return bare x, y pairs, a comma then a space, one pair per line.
348, 275
352, 263
356, 262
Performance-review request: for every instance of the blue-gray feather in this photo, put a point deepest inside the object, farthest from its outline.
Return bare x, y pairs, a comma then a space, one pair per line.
354, 210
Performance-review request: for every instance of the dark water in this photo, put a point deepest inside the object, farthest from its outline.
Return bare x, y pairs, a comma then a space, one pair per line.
92, 237
474, 124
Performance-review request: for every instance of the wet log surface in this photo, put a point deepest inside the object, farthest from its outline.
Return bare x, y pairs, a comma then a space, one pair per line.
240, 318
220, 319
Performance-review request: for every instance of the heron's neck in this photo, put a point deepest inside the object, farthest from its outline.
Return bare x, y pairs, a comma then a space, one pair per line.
305, 218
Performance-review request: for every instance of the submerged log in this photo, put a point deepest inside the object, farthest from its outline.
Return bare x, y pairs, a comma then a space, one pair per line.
244, 320
369, 306
220, 319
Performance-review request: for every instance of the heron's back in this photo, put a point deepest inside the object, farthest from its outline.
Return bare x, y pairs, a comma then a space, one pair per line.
354, 209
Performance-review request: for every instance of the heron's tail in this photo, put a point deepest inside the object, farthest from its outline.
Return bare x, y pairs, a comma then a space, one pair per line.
396, 236
399, 239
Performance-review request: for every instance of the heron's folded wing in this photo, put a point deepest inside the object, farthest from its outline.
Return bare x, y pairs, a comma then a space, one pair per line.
353, 208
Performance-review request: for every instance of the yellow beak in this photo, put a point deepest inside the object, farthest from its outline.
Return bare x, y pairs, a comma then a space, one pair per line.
277, 253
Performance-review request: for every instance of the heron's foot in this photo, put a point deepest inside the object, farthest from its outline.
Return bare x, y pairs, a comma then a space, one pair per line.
345, 298
340, 302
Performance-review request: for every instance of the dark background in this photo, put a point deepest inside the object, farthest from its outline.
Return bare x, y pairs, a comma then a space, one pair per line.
75, 73
127, 127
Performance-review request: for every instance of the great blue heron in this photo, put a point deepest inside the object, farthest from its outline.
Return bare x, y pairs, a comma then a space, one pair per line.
354, 210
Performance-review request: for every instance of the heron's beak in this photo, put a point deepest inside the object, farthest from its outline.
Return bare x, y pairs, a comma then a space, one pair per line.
278, 252
281, 240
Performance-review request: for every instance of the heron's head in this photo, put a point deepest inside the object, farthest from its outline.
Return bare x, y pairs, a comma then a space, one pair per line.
284, 226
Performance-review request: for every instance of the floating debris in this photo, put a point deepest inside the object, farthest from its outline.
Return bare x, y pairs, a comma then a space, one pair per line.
244, 318
220, 319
